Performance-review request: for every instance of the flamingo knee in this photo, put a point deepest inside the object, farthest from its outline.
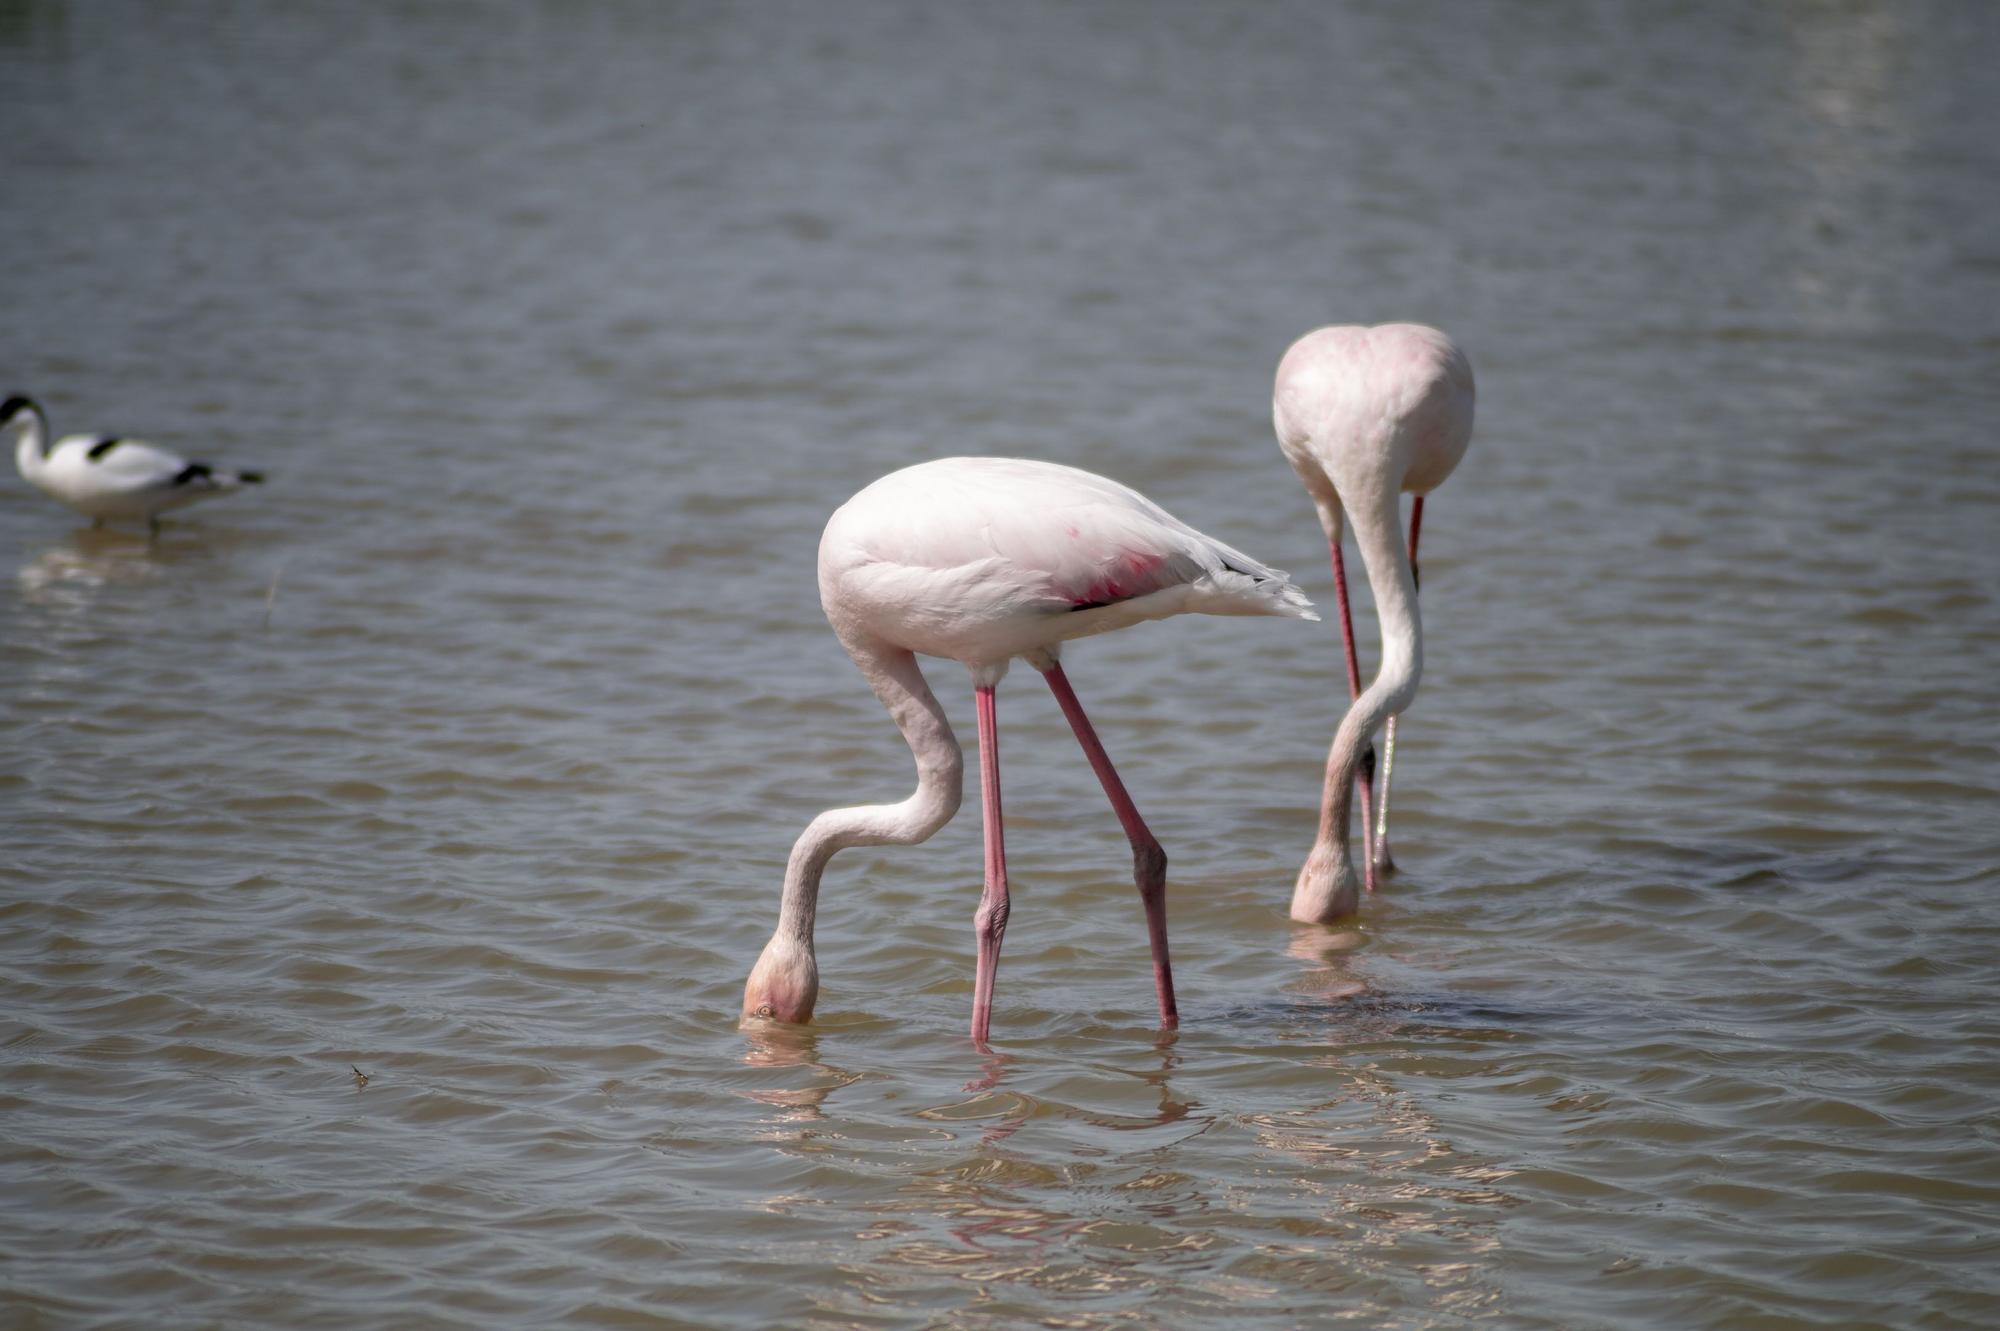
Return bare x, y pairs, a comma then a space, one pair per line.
1149, 869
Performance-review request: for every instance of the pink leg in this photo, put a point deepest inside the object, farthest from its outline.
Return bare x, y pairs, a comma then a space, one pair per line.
989, 922
1149, 861
1354, 691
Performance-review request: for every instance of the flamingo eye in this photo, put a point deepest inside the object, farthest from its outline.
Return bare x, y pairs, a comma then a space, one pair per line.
766, 1011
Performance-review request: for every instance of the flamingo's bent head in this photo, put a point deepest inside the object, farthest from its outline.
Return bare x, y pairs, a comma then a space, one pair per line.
784, 984
1326, 890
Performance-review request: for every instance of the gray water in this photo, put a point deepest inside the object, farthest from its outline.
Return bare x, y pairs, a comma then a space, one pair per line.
468, 752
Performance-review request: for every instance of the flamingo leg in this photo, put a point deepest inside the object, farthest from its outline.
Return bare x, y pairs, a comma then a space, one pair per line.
1149, 861
1382, 858
989, 922
1354, 691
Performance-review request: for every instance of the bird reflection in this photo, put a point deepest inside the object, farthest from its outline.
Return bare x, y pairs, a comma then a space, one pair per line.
980, 1196
1171, 1110
1010, 1109
68, 577
793, 1047
993, 1065
1331, 956
1030, 1225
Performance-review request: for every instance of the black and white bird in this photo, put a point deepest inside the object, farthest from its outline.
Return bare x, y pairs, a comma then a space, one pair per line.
103, 476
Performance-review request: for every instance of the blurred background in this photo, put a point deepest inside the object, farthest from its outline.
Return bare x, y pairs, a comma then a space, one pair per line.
468, 751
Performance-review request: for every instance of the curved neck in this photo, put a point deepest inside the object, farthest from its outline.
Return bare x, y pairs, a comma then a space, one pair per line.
1378, 532
31, 448
897, 681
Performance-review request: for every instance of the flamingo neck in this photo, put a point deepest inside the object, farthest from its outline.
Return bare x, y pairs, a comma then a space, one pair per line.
897, 681
1377, 529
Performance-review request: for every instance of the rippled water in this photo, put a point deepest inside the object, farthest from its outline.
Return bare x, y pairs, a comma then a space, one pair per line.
468, 753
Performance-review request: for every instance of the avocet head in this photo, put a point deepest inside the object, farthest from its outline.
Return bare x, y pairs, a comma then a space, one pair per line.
20, 417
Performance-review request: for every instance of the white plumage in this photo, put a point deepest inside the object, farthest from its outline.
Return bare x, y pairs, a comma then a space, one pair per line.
104, 476
1364, 415
980, 560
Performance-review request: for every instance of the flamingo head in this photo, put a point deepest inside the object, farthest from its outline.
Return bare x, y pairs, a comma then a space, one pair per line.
1327, 889
784, 984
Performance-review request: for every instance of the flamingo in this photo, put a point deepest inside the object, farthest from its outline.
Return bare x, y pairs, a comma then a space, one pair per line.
981, 560
1364, 414
104, 476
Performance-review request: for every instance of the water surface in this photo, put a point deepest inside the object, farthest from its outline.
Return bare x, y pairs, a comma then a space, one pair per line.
468, 753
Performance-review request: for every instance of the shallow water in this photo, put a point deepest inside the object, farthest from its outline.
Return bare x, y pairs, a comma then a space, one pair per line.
468, 752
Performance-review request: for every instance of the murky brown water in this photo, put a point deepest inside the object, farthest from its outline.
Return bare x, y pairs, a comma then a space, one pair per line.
469, 751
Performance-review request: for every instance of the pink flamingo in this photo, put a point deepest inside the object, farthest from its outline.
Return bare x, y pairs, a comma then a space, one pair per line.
980, 560
1364, 414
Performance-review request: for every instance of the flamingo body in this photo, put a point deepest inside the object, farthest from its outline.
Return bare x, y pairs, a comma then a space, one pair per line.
1365, 415
106, 477
980, 560
1383, 407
